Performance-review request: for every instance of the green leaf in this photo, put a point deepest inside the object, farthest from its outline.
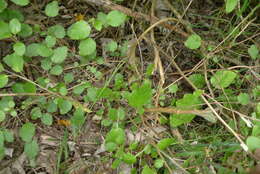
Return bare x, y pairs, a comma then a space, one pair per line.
87, 47
3, 5
47, 119
79, 30
230, 5
36, 113
57, 31
59, 54
243, 98
2, 116
15, 62
110, 146
50, 41
253, 51
3, 80
1, 67
256, 131
173, 88
147, 170
111, 46
9, 136
52, 9
141, 95
46, 64
19, 48
116, 114
2, 139
64, 105
29, 87
164, 143
52, 107
27, 131
193, 42
21, 2
43, 50
15, 26
115, 18
5, 31
56, 70
78, 118
116, 135
253, 142
222, 79
31, 149
26, 31
198, 80
68, 77
158, 163
32, 50
129, 158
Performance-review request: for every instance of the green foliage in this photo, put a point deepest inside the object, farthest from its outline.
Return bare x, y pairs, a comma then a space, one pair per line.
173, 88
115, 18
87, 47
193, 42
59, 54
5, 31
57, 31
3, 80
50, 41
14, 61
36, 113
147, 170
164, 143
64, 105
19, 48
198, 80
230, 5
26, 30
27, 132
158, 163
56, 70
116, 136
15, 26
47, 119
111, 46
243, 98
52, 9
223, 78
253, 52
253, 142
79, 30
3, 5
21, 2
2, 116
31, 149
129, 158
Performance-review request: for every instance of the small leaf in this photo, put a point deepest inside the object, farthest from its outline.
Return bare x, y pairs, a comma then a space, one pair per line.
230, 5
36, 113
111, 46
115, 18
56, 70
43, 50
253, 51
19, 48
87, 47
253, 142
52, 9
50, 41
222, 79
57, 31
198, 80
15, 62
3, 80
173, 88
64, 105
147, 170
78, 118
158, 163
3, 5
129, 158
21, 2
26, 30
31, 149
47, 119
164, 143
243, 98
193, 42
116, 135
2, 116
9, 136
59, 54
5, 31
79, 30
110, 146
15, 26
29, 87
27, 131
68, 77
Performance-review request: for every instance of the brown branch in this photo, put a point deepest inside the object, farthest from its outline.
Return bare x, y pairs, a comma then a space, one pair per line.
137, 15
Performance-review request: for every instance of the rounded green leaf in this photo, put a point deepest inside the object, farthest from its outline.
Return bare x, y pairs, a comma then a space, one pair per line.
36, 113
29, 87
31, 149
43, 50
52, 9
57, 31
5, 31
56, 70
3, 5
46, 64
253, 142
47, 119
158, 163
64, 105
164, 143
230, 5
129, 158
253, 51
243, 98
3, 80
50, 41
79, 30
116, 135
59, 54
110, 146
147, 170
87, 47
32, 50
21, 2
115, 18
15, 62
2, 116
111, 46
19, 48
193, 42
222, 79
68, 77
27, 131
15, 26
26, 30
9, 136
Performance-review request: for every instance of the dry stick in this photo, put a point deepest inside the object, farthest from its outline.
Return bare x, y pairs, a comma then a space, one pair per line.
137, 15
